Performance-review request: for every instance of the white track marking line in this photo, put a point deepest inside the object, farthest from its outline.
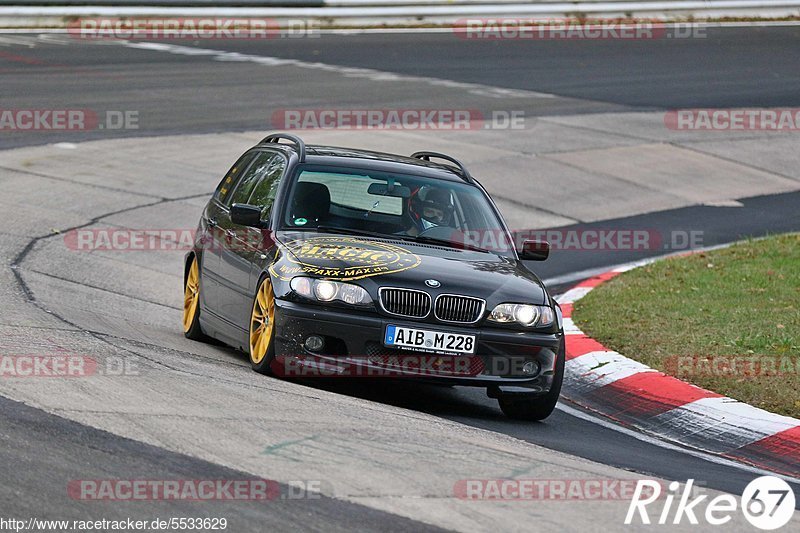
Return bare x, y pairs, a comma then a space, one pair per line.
29, 42
726, 424
672, 447
56, 39
596, 369
573, 295
570, 328
350, 72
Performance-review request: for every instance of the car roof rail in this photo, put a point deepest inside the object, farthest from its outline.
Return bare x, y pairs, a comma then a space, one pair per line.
298, 142
461, 170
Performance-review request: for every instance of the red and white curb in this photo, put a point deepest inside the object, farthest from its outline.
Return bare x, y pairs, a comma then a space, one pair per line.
638, 396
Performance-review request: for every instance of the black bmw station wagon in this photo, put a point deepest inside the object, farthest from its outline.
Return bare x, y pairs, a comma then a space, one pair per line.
324, 262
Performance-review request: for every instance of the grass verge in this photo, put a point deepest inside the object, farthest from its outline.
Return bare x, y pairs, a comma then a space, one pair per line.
726, 320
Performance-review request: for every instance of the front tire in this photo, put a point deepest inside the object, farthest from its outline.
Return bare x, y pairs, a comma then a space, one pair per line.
540, 407
262, 328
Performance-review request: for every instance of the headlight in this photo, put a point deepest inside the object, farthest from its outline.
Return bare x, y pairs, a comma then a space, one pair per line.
324, 290
523, 314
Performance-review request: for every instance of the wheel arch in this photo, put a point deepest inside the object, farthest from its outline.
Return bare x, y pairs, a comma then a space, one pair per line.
186, 261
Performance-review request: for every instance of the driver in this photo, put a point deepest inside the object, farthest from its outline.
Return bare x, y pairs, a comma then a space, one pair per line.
429, 207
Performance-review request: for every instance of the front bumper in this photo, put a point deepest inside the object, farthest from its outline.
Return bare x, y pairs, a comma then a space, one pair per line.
354, 348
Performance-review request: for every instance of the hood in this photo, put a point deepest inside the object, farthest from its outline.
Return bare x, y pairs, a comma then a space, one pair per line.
374, 263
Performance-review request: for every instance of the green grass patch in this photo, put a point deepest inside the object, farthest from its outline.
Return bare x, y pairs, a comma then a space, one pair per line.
726, 320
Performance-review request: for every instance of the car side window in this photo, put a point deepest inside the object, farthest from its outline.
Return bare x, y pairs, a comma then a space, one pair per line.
252, 175
228, 183
264, 192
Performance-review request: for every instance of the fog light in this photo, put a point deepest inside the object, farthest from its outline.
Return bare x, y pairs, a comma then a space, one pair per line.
314, 343
530, 368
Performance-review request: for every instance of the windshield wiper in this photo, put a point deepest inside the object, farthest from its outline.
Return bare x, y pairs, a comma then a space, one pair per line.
448, 243
351, 231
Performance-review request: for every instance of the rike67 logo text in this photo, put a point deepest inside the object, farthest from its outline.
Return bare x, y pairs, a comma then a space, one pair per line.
767, 503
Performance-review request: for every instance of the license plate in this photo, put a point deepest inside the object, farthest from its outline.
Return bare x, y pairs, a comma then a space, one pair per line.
426, 340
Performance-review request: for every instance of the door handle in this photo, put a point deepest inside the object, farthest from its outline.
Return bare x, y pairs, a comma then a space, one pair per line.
212, 222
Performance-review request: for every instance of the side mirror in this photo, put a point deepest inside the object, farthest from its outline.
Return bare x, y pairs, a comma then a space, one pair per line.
246, 215
535, 250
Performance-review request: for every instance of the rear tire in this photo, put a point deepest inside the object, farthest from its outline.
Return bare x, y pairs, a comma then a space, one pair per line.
540, 407
191, 303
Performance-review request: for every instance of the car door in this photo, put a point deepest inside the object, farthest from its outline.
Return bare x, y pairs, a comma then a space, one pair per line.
257, 187
214, 239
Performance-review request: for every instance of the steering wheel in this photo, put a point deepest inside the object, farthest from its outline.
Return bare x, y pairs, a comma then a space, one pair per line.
443, 232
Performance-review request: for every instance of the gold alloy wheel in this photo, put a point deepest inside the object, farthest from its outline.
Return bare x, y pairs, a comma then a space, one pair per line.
191, 296
261, 322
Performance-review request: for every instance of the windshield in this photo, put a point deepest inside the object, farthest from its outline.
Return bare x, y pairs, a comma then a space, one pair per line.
404, 206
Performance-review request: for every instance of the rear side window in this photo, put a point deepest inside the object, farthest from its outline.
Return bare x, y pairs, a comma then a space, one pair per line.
228, 183
264, 193
259, 167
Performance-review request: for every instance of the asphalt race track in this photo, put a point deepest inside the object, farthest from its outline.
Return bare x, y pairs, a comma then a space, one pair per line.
386, 454
190, 94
